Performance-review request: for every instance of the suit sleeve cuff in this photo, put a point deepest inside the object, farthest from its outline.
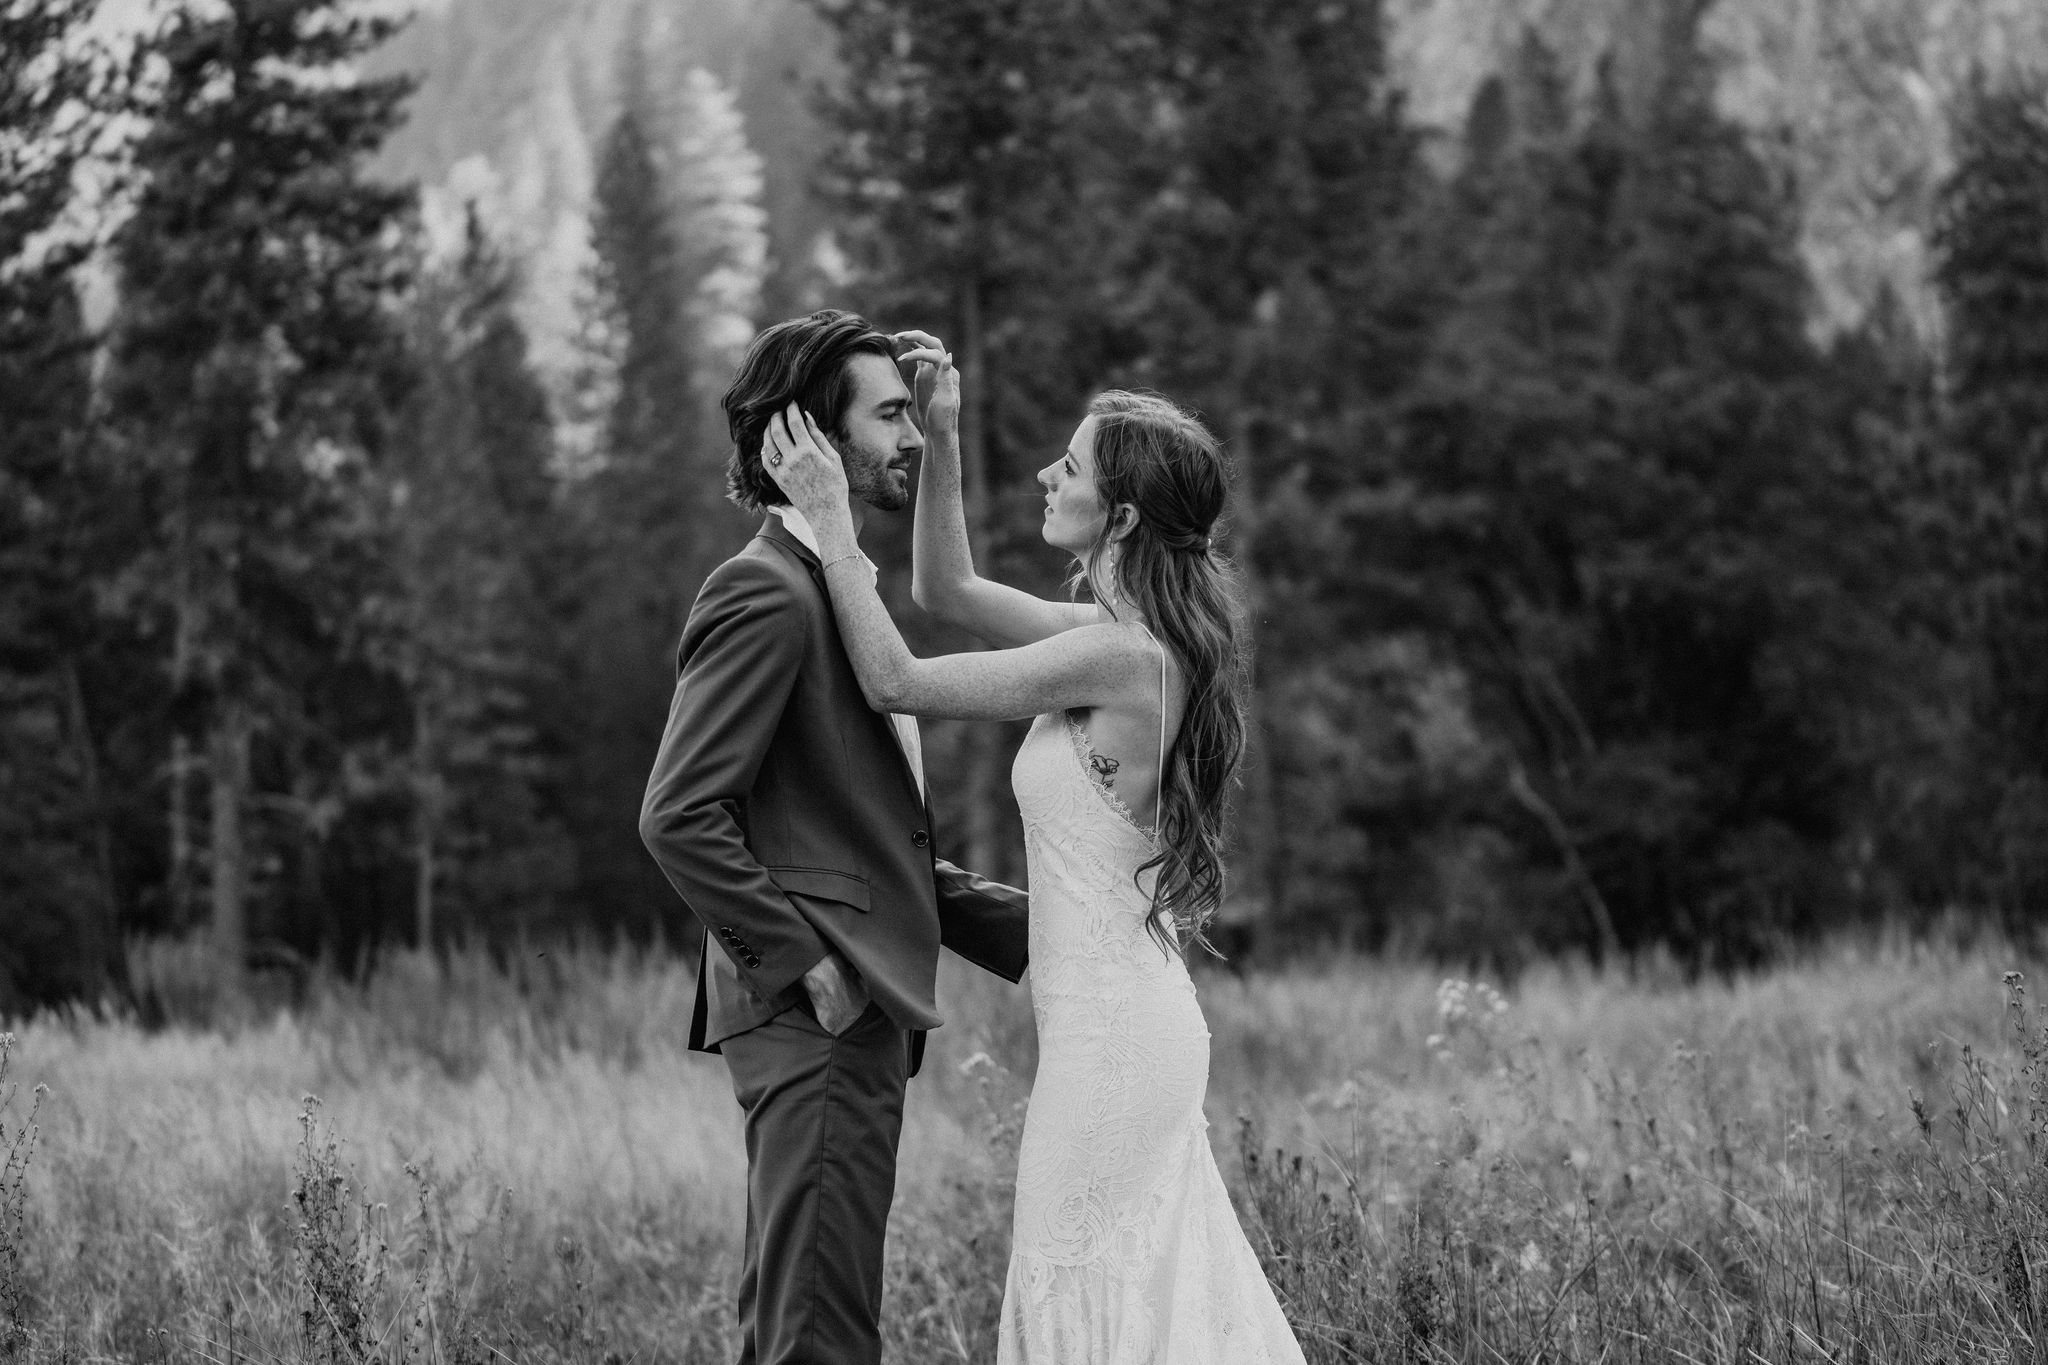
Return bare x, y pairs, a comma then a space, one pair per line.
770, 976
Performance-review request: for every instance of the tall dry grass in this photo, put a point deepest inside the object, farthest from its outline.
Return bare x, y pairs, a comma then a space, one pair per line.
1845, 1161
515, 1159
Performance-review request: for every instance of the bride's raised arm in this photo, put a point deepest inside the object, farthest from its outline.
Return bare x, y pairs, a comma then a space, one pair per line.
1095, 665
942, 576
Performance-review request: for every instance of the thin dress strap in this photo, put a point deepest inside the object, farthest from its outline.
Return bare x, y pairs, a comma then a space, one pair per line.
1159, 778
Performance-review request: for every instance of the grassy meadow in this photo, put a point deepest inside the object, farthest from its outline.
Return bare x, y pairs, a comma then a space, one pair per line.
1844, 1158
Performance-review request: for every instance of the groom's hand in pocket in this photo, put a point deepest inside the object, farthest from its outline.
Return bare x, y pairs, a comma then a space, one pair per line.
837, 996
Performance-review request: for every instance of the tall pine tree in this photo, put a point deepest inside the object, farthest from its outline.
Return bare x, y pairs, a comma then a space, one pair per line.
471, 531
1993, 247
1622, 502
252, 361
676, 241
57, 875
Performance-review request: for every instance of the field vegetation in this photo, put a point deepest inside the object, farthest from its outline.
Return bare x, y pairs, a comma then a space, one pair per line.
512, 1158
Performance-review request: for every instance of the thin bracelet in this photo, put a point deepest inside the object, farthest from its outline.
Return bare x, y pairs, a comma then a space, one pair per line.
841, 560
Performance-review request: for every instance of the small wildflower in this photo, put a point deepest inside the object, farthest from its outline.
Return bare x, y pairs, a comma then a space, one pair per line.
1464, 1006
1459, 1002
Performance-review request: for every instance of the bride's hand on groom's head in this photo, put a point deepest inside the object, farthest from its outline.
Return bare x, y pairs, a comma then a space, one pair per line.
936, 386
926, 351
802, 462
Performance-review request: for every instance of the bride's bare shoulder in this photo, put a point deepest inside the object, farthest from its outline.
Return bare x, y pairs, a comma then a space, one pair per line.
1124, 646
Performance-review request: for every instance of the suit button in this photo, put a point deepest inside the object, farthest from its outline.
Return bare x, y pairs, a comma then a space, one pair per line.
920, 838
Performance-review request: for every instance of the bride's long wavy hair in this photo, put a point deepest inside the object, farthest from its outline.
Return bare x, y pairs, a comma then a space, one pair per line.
1158, 457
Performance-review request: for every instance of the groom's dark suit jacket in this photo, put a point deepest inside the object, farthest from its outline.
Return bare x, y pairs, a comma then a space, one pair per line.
784, 813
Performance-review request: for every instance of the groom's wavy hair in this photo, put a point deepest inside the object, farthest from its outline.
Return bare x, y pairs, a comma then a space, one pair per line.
1157, 456
802, 360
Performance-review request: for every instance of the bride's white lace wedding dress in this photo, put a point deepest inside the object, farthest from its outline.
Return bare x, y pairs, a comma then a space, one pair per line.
1125, 1248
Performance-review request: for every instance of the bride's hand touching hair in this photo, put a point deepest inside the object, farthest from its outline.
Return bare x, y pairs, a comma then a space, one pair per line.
936, 385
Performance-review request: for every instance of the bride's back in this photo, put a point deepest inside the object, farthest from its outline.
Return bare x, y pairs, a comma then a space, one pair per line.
1124, 748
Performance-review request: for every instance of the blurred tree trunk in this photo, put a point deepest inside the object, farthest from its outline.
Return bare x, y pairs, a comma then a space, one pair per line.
100, 919
228, 772
179, 818
426, 823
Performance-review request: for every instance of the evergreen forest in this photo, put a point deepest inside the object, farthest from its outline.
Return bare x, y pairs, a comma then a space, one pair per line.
1602, 601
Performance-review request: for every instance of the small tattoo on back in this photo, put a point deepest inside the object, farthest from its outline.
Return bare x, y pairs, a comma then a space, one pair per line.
1105, 768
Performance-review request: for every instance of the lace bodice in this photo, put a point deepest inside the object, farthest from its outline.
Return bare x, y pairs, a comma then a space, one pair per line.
1088, 924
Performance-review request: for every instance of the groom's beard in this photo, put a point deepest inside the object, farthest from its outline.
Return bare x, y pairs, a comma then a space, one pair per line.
879, 478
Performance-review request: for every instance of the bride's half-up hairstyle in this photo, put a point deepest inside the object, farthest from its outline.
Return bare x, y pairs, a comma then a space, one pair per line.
1159, 458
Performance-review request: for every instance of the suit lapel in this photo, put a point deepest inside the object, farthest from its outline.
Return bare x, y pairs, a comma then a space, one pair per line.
775, 529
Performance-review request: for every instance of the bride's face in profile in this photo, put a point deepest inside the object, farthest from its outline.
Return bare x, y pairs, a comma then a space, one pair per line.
1073, 511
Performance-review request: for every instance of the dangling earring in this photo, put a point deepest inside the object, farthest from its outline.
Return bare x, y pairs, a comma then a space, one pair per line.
1114, 596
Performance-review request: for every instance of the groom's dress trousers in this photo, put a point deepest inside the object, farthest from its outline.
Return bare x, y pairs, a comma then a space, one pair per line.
784, 812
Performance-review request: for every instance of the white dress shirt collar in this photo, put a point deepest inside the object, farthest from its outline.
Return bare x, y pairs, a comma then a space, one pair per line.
800, 526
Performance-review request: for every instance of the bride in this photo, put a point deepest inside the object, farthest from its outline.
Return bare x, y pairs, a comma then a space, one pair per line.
1125, 1250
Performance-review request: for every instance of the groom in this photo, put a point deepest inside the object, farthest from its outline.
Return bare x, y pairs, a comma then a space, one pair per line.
794, 823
